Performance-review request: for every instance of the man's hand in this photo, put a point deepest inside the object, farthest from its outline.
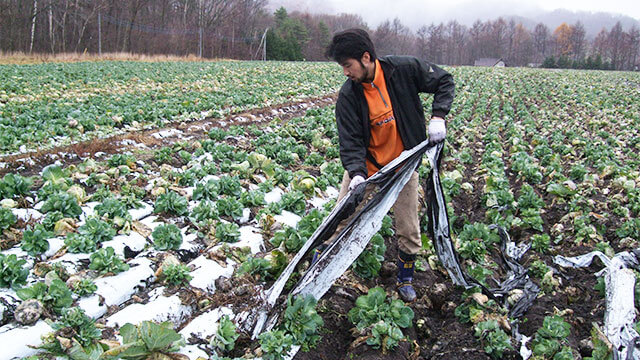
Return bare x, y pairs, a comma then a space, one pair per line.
437, 130
357, 180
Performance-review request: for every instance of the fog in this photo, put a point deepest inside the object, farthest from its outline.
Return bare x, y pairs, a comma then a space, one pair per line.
415, 13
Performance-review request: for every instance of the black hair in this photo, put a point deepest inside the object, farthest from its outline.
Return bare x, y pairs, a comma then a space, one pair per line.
350, 44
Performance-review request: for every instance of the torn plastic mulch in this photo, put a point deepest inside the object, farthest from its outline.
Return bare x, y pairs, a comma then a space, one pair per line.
364, 220
620, 308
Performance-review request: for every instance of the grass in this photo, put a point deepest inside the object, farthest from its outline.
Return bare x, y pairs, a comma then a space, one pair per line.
38, 58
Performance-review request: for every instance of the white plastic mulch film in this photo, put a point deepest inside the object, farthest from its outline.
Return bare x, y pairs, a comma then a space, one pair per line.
619, 285
364, 220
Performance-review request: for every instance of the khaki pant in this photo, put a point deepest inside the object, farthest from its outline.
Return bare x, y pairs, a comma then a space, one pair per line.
405, 210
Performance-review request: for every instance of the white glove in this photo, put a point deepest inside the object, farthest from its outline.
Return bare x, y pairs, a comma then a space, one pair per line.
357, 180
437, 130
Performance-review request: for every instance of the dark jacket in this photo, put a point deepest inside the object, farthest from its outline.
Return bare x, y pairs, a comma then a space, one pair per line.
406, 77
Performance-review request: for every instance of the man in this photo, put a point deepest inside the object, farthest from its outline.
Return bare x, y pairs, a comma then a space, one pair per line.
379, 114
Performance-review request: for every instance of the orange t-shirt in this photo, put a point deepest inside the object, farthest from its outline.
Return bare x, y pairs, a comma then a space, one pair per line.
385, 143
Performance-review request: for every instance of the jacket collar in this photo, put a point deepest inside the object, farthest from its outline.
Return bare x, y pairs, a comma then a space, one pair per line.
387, 67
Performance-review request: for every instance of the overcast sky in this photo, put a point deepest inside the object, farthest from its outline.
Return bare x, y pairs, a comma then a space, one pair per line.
415, 13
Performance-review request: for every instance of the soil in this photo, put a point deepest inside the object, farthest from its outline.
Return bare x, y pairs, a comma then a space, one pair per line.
440, 335
32, 163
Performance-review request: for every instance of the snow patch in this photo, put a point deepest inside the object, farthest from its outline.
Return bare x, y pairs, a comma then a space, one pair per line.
119, 288
207, 272
251, 237
205, 325
15, 341
332, 192
317, 202
137, 214
150, 222
166, 133
287, 218
193, 352
71, 262
159, 310
92, 306
246, 215
134, 241
55, 244
27, 214
273, 196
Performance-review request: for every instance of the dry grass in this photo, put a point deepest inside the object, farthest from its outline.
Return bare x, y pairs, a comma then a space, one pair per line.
23, 58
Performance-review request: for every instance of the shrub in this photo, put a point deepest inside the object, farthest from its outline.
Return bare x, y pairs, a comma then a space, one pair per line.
7, 219
148, 340
225, 337
56, 296
97, 230
13, 185
105, 261
63, 202
171, 202
374, 311
177, 274
78, 243
34, 240
302, 321
84, 287
275, 344
167, 237
368, 264
494, 339
227, 232
12, 273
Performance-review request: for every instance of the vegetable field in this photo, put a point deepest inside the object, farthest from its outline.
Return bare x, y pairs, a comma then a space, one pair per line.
155, 244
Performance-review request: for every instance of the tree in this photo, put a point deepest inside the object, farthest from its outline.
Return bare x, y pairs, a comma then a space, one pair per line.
615, 40
562, 39
541, 35
522, 46
577, 40
285, 41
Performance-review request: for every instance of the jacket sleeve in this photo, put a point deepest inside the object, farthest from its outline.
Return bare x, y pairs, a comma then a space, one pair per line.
351, 136
433, 79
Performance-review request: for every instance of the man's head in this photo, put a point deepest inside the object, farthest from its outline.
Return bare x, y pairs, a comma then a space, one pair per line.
354, 51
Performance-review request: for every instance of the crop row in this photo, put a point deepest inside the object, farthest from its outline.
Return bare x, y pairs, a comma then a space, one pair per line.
535, 152
58, 103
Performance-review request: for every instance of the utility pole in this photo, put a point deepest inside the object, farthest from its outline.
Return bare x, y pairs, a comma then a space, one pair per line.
263, 45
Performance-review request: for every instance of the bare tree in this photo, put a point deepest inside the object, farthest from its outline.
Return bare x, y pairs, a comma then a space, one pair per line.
616, 43
541, 37
577, 39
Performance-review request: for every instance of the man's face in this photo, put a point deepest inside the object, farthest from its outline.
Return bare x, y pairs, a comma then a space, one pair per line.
354, 70
358, 71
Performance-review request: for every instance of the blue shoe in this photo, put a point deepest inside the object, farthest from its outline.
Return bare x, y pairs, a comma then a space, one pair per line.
316, 253
405, 277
